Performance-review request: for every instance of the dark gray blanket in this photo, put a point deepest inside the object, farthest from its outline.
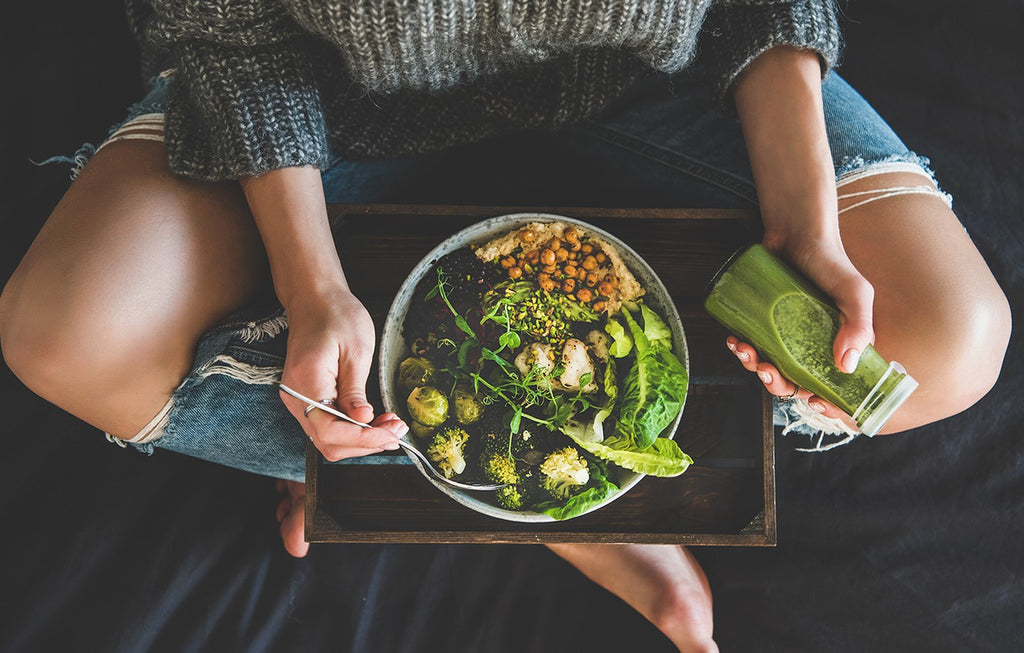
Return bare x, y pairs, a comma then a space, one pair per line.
905, 543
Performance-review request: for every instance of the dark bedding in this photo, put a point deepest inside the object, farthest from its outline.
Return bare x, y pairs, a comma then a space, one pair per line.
904, 543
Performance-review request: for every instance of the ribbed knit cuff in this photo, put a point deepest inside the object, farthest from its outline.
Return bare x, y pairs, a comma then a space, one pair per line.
735, 34
235, 112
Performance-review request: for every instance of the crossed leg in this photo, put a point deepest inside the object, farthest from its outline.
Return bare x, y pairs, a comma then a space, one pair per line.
938, 311
102, 315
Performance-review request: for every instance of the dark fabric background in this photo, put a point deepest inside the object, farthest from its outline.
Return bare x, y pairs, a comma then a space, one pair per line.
905, 543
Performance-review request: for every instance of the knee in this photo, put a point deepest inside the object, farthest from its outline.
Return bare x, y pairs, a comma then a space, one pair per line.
978, 347
29, 341
956, 354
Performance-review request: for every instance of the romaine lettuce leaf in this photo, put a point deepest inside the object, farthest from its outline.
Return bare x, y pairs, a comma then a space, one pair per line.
621, 344
663, 458
655, 387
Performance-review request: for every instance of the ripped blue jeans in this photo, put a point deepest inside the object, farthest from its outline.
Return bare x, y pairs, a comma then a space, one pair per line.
661, 144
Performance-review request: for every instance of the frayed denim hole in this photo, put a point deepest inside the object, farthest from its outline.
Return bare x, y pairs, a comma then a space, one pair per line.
856, 163
147, 447
77, 160
254, 357
154, 102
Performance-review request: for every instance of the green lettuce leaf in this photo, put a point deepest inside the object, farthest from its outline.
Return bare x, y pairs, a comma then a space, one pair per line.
657, 332
654, 390
600, 489
621, 344
663, 458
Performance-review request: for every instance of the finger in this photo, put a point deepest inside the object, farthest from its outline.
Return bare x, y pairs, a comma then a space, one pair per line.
828, 409
392, 423
855, 299
282, 508
351, 388
329, 431
335, 453
298, 408
777, 384
745, 353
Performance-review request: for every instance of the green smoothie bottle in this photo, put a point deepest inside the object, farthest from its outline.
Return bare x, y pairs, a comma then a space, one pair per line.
793, 324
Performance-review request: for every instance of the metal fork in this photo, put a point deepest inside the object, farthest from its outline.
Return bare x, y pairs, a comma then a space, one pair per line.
409, 448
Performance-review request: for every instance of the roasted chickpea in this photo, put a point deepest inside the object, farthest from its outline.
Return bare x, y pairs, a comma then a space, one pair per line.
570, 235
569, 285
554, 243
515, 272
584, 295
601, 258
605, 288
547, 257
612, 279
589, 263
587, 248
581, 274
547, 285
592, 279
533, 256
550, 269
570, 270
576, 246
561, 254
572, 255
527, 235
600, 306
507, 262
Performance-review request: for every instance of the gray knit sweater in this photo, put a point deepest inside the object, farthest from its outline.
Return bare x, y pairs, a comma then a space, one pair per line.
263, 84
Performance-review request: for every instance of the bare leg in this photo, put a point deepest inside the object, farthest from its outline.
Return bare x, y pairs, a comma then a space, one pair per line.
103, 314
938, 310
662, 582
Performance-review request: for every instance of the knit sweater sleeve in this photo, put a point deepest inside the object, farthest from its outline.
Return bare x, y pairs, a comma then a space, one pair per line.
244, 99
737, 31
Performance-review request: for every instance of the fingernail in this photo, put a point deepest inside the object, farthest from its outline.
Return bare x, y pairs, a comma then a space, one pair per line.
403, 428
744, 356
850, 360
731, 345
392, 446
765, 377
817, 406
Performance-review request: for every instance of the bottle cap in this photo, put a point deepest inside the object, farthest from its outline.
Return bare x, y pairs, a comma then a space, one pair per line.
884, 400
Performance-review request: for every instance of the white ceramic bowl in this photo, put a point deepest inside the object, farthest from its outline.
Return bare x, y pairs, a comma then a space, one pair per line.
393, 348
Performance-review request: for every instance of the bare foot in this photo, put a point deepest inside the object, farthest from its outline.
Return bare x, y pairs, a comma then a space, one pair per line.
664, 583
291, 514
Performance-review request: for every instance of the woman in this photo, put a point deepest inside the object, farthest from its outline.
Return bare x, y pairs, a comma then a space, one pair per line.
221, 177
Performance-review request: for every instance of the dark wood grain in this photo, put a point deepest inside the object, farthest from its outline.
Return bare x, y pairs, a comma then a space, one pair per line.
726, 498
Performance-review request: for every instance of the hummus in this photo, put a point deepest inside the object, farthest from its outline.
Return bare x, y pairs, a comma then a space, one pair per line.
519, 242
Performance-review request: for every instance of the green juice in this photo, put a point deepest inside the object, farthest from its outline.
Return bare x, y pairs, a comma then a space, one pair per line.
793, 324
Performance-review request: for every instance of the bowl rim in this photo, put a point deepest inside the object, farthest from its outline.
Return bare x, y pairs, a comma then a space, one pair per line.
483, 231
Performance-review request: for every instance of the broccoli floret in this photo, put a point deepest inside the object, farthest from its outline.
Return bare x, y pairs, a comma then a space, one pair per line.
564, 473
518, 445
447, 449
509, 497
499, 467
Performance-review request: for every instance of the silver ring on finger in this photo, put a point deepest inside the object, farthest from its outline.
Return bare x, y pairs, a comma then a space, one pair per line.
790, 397
310, 408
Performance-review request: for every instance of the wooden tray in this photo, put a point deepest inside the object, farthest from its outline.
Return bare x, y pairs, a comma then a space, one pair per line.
726, 498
